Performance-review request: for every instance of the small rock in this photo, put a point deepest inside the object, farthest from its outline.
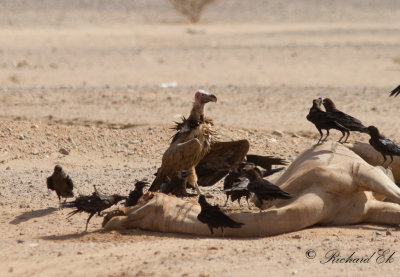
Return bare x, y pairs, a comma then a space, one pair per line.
79, 253
8, 168
378, 233
388, 233
294, 272
34, 127
277, 133
20, 241
296, 237
21, 137
35, 152
64, 151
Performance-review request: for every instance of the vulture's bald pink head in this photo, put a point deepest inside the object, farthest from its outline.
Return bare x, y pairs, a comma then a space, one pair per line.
203, 97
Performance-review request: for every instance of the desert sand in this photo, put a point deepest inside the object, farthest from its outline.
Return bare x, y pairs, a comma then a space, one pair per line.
88, 77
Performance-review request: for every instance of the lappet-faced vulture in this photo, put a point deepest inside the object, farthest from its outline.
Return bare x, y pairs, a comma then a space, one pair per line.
189, 145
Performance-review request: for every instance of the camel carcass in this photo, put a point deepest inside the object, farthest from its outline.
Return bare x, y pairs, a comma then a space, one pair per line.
330, 185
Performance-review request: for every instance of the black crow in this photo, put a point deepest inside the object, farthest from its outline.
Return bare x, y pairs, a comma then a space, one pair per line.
351, 123
60, 182
383, 145
263, 189
236, 191
231, 183
214, 217
92, 204
134, 195
395, 92
324, 121
177, 184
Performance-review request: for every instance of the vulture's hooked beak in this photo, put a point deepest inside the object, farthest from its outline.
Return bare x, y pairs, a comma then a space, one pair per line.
213, 98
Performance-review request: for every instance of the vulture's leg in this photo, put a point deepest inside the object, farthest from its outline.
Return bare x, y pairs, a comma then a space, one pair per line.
87, 222
239, 201
247, 199
196, 186
378, 212
59, 202
211, 230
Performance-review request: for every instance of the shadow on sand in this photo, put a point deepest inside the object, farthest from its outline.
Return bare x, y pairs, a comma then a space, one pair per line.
32, 214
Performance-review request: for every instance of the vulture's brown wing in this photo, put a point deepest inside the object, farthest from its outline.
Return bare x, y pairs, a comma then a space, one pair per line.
179, 156
222, 157
265, 162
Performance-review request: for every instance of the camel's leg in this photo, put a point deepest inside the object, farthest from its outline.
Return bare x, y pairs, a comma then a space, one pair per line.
169, 214
379, 212
373, 179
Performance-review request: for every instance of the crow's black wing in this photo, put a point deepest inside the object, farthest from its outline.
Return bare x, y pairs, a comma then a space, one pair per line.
240, 184
390, 145
265, 162
395, 92
50, 184
70, 184
266, 190
351, 123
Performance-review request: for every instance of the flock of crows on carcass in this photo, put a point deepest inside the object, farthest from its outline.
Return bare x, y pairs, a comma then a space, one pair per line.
195, 159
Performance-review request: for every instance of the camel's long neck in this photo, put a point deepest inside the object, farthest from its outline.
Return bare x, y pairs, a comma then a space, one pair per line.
197, 112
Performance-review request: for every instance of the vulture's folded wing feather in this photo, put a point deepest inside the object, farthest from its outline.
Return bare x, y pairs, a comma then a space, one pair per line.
178, 156
222, 157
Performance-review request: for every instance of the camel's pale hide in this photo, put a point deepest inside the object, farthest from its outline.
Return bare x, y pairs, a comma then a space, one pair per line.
330, 184
373, 157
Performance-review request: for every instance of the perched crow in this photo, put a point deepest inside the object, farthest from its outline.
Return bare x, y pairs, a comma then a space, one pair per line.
61, 183
395, 92
232, 180
134, 195
228, 184
92, 204
214, 217
351, 123
324, 121
176, 185
237, 191
383, 145
263, 189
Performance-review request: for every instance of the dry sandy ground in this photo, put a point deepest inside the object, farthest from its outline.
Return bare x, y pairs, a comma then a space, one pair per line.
91, 85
